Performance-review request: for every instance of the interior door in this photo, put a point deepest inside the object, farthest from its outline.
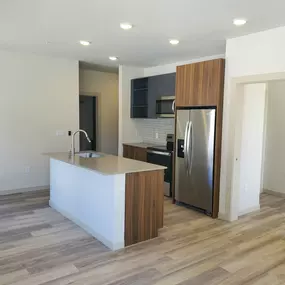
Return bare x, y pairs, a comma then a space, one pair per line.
87, 121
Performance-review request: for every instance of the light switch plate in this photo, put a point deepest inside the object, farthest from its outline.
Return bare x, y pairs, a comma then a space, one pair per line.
27, 169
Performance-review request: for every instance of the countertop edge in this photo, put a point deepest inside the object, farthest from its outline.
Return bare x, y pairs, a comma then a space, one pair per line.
53, 156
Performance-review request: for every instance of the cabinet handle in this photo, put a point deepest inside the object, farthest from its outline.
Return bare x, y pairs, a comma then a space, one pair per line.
173, 106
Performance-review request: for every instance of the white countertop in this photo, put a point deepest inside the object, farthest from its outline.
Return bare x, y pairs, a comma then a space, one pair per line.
107, 164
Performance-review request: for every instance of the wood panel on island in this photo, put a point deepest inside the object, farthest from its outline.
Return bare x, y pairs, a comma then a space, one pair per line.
201, 84
144, 206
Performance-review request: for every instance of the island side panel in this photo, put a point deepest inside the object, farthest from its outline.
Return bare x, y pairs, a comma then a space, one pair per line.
144, 202
93, 201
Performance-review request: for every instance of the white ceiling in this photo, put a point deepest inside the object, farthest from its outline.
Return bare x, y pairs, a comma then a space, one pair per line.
201, 26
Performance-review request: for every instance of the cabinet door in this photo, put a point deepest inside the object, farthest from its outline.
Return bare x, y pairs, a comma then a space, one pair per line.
139, 98
200, 84
166, 84
128, 151
159, 86
140, 154
152, 96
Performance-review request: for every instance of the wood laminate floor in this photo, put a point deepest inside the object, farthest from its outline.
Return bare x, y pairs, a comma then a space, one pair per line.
39, 246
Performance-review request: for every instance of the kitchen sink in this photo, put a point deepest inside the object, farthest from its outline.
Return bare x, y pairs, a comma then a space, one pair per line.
88, 154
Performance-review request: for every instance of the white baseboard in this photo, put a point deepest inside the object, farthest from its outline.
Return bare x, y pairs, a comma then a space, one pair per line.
108, 243
223, 216
249, 210
23, 190
226, 217
274, 193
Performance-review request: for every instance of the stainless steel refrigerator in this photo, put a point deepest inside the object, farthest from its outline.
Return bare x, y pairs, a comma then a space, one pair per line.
194, 157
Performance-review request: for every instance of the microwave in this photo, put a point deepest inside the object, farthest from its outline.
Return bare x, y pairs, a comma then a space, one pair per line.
165, 107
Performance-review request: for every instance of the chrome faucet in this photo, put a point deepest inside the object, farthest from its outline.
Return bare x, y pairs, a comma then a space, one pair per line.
72, 141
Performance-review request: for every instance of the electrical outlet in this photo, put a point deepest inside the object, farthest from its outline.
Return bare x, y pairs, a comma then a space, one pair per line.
60, 133
156, 135
27, 169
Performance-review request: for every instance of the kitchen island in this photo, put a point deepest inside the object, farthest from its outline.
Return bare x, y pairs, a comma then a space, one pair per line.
117, 200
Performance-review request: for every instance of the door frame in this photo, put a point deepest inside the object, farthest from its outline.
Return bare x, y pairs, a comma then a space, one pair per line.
229, 180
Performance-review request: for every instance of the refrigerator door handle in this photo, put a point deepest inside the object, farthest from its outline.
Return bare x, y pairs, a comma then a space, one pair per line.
185, 147
190, 147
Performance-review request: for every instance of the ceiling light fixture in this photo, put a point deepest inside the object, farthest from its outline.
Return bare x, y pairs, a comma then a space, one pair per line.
239, 22
126, 26
85, 43
174, 42
113, 58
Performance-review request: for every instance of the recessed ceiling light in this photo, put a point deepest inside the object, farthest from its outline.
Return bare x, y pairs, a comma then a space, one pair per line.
239, 22
85, 43
174, 42
113, 58
126, 26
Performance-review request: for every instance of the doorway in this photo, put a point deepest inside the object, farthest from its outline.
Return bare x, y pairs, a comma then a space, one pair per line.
249, 150
88, 121
274, 153
230, 170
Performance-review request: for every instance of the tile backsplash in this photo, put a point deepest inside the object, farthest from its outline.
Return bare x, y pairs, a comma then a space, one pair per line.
155, 130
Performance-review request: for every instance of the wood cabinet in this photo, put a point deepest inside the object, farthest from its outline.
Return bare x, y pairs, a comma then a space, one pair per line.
145, 91
133, 152
128, 151
140, 154
200, 84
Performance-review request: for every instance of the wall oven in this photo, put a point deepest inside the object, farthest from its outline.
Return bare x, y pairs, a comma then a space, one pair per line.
165, 107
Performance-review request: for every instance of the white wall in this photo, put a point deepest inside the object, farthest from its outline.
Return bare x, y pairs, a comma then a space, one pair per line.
38, 96
251, 147
169, 68
105, 86
127, 127
274, 169
248, 58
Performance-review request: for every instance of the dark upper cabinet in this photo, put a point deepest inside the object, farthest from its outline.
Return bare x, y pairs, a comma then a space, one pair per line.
165, 85
139, 98
145, 92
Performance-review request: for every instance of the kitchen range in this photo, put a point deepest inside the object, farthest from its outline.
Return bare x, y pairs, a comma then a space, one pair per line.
163, 155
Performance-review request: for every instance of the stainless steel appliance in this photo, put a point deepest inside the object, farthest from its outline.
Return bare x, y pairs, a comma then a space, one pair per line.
165, 107
194, 157
163, 155
170, 142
